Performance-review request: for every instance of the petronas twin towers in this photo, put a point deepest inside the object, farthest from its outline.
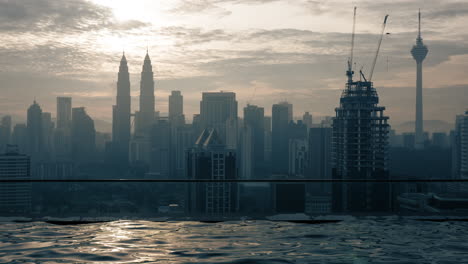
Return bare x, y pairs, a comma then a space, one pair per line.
121, 112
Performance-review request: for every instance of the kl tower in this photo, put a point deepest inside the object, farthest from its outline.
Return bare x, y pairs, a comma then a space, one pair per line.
419, 52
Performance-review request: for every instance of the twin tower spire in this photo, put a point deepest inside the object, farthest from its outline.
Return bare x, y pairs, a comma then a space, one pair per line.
121, 112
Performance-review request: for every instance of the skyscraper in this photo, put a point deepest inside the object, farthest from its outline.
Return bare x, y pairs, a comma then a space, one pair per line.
281, 116
210, 159
216, 109
419, 52
320, 145
146, 117
460, 150
62, 133
161, 151
83, 135
254, 118
5, 132
307, 119
64, 115
121, 114
35, 142
360, 149
184, 139
15, 197
176, 108
47, 133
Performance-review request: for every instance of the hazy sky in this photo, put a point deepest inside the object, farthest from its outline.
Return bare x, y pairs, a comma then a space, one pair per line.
264, 50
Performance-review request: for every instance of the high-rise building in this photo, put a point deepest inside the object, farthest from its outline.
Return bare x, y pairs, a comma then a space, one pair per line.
146, 116
320, 162
419, 52
184, 139
5, 132
20, 137
281, 116
246, 152
121, 115
15, 197
298, 157
360, 149
47, 133
64, 115
297, 148
210, 159
83, 136
216, 109
161, 152
460, 149
176, 108
267, 144
254, 118
307, 119
62, 133
35, 144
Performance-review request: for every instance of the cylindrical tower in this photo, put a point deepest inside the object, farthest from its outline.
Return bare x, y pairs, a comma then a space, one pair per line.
419, 52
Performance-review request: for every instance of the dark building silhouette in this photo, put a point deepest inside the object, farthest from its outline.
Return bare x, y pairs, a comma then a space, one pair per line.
5, 132
281, 116
297, 149
83, 136
267, 126
307, 119
176, 108
146, 116
320, 157
360, 149
254, 118
121, 115
15, 197
460, 151
184, 139
35, 142
48, 134
62, 134
210, 159
161, 152
20, 137
64, 112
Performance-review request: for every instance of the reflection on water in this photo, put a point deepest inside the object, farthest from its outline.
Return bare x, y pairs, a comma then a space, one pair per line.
368, 240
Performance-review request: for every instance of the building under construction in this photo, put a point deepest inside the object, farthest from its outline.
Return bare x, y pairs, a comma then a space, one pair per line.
360, 146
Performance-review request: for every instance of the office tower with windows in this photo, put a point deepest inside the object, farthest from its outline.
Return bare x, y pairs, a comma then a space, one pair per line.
218, 110
210, 159
15, 197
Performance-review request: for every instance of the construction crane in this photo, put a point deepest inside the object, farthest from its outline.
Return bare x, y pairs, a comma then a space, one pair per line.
350, 72
378, 48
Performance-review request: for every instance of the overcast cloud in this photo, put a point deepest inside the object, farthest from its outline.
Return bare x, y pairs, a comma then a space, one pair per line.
265, 51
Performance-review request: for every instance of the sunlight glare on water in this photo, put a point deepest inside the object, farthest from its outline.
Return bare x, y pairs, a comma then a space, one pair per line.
383, 240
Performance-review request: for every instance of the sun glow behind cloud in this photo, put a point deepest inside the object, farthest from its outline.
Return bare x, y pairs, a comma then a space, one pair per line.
296, 48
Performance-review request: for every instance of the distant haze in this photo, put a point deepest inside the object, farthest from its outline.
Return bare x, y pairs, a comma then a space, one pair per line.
263, 50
